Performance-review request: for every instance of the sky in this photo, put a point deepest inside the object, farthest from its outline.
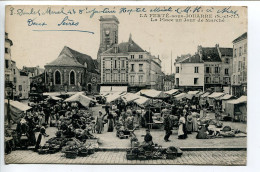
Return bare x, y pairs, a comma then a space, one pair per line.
32, 48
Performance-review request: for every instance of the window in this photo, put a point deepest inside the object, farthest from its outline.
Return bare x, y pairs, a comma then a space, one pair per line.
216, 80
239, 65
6, 64
245, 48
115, 77
132, 56
235, 52
132, 67
140, 67
72, 78
57, 78
177, 81
132, 79
177, 70
207, 69
196, 69
234, 79
123, 64
207, 80
6, 50
226, 71
216, 69
140, 56
140, 79
14, 79
107, 77
122, 77
196, 81
115, 64
14, 71
108, 64
240, 51
20, 88
227, 60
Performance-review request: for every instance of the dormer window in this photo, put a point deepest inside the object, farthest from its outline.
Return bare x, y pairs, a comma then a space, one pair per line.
116, 49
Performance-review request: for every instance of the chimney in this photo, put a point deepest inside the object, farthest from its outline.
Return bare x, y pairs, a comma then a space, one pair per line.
217, 45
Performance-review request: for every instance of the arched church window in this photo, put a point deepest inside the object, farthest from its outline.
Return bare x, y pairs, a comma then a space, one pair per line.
57, 77
72, 78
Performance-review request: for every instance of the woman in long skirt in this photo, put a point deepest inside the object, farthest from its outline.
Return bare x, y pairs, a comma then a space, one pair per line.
99, 123
182, 133
110, 118
194, 121
189, 123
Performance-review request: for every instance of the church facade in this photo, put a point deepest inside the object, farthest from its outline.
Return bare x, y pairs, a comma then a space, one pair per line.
72, 71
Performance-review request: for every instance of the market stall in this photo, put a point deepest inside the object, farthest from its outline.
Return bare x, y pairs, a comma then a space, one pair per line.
213, 97
237, 108
16, 109
191, 94
180, 96
172, 92
81, 98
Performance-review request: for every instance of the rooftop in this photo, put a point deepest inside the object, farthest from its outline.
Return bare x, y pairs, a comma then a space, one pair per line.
242, 37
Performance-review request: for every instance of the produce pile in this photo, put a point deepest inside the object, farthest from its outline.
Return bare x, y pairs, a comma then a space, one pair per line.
152, 152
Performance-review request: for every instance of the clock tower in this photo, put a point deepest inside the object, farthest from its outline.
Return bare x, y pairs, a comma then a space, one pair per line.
108, 33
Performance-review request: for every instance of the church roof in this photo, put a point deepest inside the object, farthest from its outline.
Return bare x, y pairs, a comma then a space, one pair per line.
70, 57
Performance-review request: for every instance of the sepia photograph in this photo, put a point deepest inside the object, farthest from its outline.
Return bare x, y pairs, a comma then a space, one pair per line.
125, 85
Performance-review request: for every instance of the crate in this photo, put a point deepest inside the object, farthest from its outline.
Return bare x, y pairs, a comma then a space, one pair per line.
71, 154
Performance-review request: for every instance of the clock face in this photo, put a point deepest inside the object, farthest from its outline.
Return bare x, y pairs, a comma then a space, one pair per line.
107, 32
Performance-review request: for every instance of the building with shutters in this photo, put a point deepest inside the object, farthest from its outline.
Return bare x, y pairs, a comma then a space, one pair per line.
239, 76
126, 63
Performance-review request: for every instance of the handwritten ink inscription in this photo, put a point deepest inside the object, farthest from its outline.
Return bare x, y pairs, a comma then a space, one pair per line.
68, 22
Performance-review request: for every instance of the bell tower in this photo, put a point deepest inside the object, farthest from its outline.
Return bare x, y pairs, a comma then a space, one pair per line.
108, 32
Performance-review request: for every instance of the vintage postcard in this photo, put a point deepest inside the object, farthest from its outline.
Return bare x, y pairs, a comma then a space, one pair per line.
126, 85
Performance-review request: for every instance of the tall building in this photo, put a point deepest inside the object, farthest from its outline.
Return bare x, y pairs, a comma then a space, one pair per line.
189, 72
239, 76
108, 34
8, 59
217, 64
168, 82
126, 63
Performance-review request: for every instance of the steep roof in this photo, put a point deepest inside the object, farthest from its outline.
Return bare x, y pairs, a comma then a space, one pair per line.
125, 47
210, 54
226, 51
193, 59
243, 36
182, 57
70, 57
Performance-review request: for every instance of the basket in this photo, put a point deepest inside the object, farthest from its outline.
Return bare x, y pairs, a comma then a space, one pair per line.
130, 156
43, 151
171, 155
71, 154
91, 151
83, 153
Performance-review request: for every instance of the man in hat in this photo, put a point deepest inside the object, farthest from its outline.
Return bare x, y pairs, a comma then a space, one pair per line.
148, 138
167, 124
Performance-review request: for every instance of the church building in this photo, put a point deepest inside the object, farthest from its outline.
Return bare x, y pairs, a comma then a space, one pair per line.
72, 71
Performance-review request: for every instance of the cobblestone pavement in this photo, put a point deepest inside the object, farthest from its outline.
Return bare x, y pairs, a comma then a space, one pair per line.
119, 157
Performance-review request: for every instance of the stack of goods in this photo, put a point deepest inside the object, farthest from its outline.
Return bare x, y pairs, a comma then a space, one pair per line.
122, 133
76, 148
152, 152
53, 145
